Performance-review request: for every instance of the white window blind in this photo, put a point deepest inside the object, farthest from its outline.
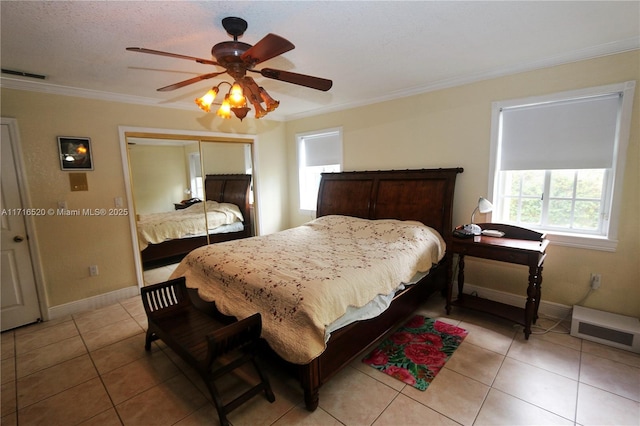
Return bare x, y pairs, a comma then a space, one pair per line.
195, 175
572, 134
320, 150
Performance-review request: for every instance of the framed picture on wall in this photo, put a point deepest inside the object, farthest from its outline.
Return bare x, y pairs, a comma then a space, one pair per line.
75, 153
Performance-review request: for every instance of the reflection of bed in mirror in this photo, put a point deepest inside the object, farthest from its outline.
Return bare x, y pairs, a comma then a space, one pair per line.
222, 193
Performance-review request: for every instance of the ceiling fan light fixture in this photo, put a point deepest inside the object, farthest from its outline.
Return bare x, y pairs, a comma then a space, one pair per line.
237, 58
225, 109
260, 112
268, 100
241, 112
236, 96
204, 102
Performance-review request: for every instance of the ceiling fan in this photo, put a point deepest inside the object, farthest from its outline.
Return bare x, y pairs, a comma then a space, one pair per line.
238, 58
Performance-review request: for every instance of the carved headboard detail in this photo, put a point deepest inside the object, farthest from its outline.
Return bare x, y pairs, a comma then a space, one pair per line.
424, 195
230, 188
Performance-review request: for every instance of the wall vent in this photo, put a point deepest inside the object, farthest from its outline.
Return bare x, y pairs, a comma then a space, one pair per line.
607, 328
23, 74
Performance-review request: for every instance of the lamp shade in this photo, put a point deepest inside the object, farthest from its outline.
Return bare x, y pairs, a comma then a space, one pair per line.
484, 205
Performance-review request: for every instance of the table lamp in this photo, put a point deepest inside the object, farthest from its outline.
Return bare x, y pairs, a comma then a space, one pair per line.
484, 206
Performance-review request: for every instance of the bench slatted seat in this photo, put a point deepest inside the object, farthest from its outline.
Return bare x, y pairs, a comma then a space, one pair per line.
200, 339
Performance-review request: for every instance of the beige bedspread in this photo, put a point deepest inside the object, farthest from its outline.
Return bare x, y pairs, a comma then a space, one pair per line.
303, 279
155, 228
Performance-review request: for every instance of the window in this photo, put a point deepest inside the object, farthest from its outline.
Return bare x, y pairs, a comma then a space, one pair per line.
195, 176
248, 169
558, 163
574, 201
318, 152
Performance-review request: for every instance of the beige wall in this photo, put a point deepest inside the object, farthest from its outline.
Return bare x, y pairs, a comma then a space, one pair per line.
158, 176
68, 245
223, 158
451, 127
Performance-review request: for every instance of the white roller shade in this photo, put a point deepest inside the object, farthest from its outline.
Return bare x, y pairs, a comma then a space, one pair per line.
571, 134
322, 150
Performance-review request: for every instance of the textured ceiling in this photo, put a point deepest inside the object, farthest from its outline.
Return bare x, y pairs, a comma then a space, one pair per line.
372, 51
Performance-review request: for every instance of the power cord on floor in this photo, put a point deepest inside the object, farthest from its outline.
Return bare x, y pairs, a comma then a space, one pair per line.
561, 320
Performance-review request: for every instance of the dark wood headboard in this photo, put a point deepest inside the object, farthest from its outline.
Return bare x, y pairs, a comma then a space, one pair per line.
230, 188
424, 195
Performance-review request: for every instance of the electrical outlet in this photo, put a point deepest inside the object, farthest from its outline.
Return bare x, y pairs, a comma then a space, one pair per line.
596, 281
93, 270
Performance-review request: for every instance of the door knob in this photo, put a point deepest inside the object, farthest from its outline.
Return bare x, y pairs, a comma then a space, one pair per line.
18, 239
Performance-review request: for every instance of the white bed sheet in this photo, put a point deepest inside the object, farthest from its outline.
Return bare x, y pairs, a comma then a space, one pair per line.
372, 309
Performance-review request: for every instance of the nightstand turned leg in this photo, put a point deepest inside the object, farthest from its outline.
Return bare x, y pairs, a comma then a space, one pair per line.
449, 288
460, 275
530, 307
538, 293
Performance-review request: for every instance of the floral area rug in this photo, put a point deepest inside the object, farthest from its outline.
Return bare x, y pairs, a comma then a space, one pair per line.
417, 351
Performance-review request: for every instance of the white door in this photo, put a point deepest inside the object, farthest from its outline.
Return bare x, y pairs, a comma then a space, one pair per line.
19, 304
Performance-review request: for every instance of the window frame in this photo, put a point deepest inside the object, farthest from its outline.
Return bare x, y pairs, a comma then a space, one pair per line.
196, 183
300, 137
615, 175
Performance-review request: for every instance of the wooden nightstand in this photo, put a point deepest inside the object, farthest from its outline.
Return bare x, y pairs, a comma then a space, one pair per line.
519, 246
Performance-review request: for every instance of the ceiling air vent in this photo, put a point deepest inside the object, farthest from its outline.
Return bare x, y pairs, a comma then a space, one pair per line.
23, 74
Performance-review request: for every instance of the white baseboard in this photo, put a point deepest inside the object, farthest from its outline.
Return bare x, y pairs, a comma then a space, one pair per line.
548, 309
94, 302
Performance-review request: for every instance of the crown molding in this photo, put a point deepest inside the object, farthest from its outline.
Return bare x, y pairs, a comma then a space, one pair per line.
40, 87
578, 55
36, 86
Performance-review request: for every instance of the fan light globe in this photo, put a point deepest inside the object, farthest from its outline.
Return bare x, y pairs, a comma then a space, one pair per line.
260, 112
204, 102
268, 100
225, 109
236, 97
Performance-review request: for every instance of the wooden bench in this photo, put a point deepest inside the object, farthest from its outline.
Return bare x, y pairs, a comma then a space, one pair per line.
200, 339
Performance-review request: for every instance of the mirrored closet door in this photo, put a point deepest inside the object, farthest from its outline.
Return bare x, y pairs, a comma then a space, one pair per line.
188, 192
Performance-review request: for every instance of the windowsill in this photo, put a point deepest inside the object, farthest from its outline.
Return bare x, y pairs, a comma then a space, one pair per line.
589, 242
568, 239
309, 215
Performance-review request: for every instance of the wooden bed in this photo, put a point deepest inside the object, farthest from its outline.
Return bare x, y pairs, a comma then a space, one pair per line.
223, 188
423, 195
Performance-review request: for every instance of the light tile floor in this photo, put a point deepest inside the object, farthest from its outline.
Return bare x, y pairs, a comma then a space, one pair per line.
91, 369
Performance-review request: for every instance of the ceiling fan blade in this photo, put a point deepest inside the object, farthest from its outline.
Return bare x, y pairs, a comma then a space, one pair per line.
189, 81
269, 47
300, 79
172, 55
